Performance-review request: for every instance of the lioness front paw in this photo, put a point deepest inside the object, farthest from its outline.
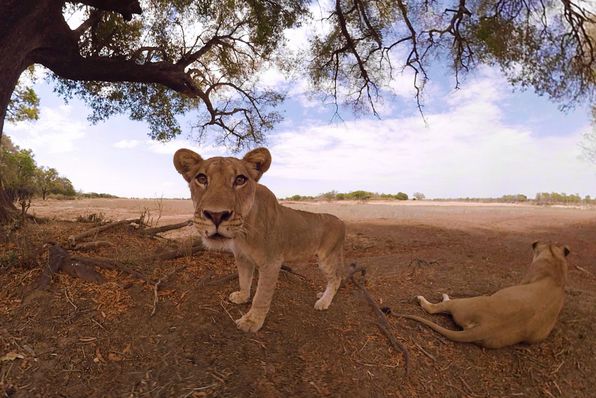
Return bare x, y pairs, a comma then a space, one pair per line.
239, 297
251, 322
323, 302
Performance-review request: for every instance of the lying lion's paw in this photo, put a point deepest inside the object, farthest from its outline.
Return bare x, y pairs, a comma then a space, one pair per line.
422, 301
250, 322
238, 297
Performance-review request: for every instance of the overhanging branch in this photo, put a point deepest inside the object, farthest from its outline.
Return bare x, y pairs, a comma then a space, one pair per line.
124, 7
71, 65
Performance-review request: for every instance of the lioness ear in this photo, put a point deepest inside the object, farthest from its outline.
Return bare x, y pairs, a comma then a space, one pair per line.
534, 244
258, 161
566, 250
184, 161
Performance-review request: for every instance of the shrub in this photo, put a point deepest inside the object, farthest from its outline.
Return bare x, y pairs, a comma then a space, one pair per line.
401, 196
359, 195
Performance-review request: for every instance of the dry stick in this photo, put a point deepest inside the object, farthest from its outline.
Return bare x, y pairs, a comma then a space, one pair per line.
60, 260
289, 270
164, 228
382, 324
92, 245
155, 297
582, 269
108, 263
72, 239
234, 275
173, 254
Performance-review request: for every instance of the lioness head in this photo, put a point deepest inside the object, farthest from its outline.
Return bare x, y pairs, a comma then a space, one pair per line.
551, 258
222, 190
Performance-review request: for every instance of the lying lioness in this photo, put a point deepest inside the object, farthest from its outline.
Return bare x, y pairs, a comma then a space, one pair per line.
233, 212
523, 313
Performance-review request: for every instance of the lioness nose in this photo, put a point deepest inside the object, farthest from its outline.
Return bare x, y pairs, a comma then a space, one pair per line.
217, 217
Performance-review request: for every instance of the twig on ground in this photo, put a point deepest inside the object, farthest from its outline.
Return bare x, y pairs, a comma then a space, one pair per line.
165, 228
428, 354
382, 320
72, 239
60, 260
173, 254
108, 263
69, 299
289, 270
234, 275
582, 269
155, 297
92, 245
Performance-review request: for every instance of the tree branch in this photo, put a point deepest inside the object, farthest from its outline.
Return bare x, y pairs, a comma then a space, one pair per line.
71, 65
124, 7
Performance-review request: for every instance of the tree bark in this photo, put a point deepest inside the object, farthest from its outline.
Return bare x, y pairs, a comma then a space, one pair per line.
23, 29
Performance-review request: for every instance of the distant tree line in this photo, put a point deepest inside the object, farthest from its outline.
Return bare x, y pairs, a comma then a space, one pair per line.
359, 195
23, 179
542, 198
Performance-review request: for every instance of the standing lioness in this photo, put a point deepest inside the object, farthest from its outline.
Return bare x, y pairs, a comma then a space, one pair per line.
234, 212
523, 313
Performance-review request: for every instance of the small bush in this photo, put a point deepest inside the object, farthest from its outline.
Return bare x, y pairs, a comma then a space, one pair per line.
359, 195
401, 196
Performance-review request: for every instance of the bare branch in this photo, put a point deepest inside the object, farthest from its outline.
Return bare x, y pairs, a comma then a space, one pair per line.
124, 7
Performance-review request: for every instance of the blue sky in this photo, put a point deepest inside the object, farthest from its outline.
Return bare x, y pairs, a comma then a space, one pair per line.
483, 140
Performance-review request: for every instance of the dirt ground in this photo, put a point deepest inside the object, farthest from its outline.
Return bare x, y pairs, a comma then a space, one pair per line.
80, 339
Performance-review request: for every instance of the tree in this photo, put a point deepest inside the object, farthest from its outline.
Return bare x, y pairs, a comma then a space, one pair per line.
419, 196
46, 180
588, 144
543, 44
18, 170
204, 56
401, 196
63, 186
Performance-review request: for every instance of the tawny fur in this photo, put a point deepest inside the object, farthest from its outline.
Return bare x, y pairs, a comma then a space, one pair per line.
259, 231
523, 313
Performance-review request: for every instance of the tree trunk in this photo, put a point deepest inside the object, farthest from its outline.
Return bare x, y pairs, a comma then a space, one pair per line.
8, 211
23, 29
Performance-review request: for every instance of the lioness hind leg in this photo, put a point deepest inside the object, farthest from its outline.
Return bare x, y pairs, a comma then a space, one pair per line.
435, 308
331, 266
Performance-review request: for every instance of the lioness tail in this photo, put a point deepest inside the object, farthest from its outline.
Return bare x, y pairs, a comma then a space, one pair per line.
461, 336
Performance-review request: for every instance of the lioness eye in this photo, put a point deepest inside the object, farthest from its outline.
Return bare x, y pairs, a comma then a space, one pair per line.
240, 180
201, 179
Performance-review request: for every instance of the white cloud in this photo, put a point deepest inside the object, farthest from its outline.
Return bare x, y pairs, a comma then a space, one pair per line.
56, 132
127, 144
168, 148
466, 150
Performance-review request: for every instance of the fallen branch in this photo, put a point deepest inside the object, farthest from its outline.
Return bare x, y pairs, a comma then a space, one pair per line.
382, 320
234, 275
289, 270
165, 228
93, 245
72, 239
155, 297
60, 260
177, 253
108, 263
